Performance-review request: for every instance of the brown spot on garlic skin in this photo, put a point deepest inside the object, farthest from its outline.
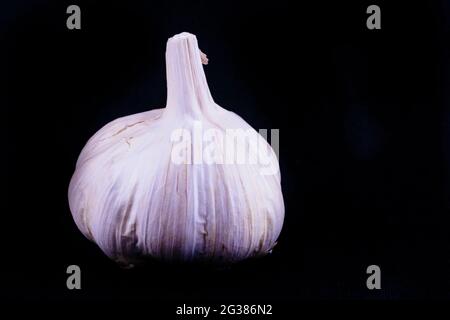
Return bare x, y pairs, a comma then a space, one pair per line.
126, 127
127, 140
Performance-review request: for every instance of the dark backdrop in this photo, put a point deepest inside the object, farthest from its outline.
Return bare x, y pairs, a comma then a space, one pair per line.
364, 134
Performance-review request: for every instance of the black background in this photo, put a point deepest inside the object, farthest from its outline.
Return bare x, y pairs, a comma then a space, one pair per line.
364, 119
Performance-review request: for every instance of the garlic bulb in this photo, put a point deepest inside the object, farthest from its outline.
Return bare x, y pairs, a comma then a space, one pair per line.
166, 183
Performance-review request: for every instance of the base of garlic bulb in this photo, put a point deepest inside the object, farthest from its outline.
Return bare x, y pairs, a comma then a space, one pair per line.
138, 192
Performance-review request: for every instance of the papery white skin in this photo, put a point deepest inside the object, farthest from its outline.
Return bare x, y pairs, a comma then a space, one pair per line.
130, 198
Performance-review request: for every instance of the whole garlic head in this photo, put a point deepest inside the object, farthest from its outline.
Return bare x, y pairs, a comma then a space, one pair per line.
163, 183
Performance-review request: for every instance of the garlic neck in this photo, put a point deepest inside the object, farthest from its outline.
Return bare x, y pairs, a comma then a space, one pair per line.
187, 88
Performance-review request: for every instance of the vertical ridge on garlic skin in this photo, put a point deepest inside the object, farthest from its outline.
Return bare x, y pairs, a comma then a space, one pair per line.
210, 209
128, 196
